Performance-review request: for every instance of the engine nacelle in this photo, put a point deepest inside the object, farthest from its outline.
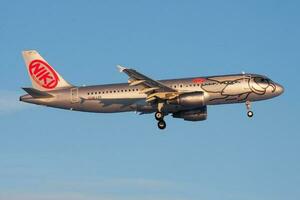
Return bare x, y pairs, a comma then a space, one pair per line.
189, 99
192, 115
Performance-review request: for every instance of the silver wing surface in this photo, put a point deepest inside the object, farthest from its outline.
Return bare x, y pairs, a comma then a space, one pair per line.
155, 90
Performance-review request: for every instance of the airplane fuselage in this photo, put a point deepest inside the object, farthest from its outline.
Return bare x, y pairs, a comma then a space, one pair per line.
122, 97
185, 98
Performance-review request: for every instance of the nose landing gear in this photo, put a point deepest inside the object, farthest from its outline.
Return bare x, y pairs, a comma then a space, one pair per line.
250, 114
248, 106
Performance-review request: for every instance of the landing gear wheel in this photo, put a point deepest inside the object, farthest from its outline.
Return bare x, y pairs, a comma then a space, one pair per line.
250, 114
161, 124
159, 116
248, 106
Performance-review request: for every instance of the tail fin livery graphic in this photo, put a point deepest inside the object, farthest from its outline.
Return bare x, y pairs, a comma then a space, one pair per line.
42, 75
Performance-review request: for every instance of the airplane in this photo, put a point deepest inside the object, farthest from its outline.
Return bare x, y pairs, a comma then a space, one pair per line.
184, 98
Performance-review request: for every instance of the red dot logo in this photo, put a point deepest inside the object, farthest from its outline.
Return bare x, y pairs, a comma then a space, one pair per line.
199, 80
43, 74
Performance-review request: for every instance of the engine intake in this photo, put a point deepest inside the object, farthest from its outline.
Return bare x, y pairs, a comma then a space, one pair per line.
192, 115
189, 99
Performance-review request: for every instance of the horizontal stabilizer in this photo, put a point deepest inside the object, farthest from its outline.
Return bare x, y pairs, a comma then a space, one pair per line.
37, 93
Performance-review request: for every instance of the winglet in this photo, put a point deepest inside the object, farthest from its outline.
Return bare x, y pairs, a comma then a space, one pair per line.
121, 68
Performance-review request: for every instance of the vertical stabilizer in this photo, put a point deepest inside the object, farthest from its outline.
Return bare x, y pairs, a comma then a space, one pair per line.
42, 75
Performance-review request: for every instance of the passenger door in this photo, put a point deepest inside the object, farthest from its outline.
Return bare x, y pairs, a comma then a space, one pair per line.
74, 95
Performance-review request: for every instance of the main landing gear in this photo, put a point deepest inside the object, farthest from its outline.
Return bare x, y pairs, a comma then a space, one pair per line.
248, 106
159, 116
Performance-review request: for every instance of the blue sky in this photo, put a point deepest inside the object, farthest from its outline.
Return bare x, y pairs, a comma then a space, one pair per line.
50, 154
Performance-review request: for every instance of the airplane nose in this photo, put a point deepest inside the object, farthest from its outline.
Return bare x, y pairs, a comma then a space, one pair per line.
279, 89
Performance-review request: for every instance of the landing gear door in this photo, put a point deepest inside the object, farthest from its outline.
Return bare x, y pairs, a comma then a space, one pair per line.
74, 95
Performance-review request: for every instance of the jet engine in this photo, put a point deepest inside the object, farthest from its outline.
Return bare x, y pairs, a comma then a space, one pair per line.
189, 99
192, 115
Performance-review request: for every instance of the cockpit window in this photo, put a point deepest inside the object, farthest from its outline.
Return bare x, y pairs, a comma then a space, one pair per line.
262, 80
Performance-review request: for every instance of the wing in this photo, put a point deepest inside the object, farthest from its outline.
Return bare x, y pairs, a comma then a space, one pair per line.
155, 90
137, 78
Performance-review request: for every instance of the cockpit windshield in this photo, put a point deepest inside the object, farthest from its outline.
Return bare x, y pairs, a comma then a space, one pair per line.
262, 80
